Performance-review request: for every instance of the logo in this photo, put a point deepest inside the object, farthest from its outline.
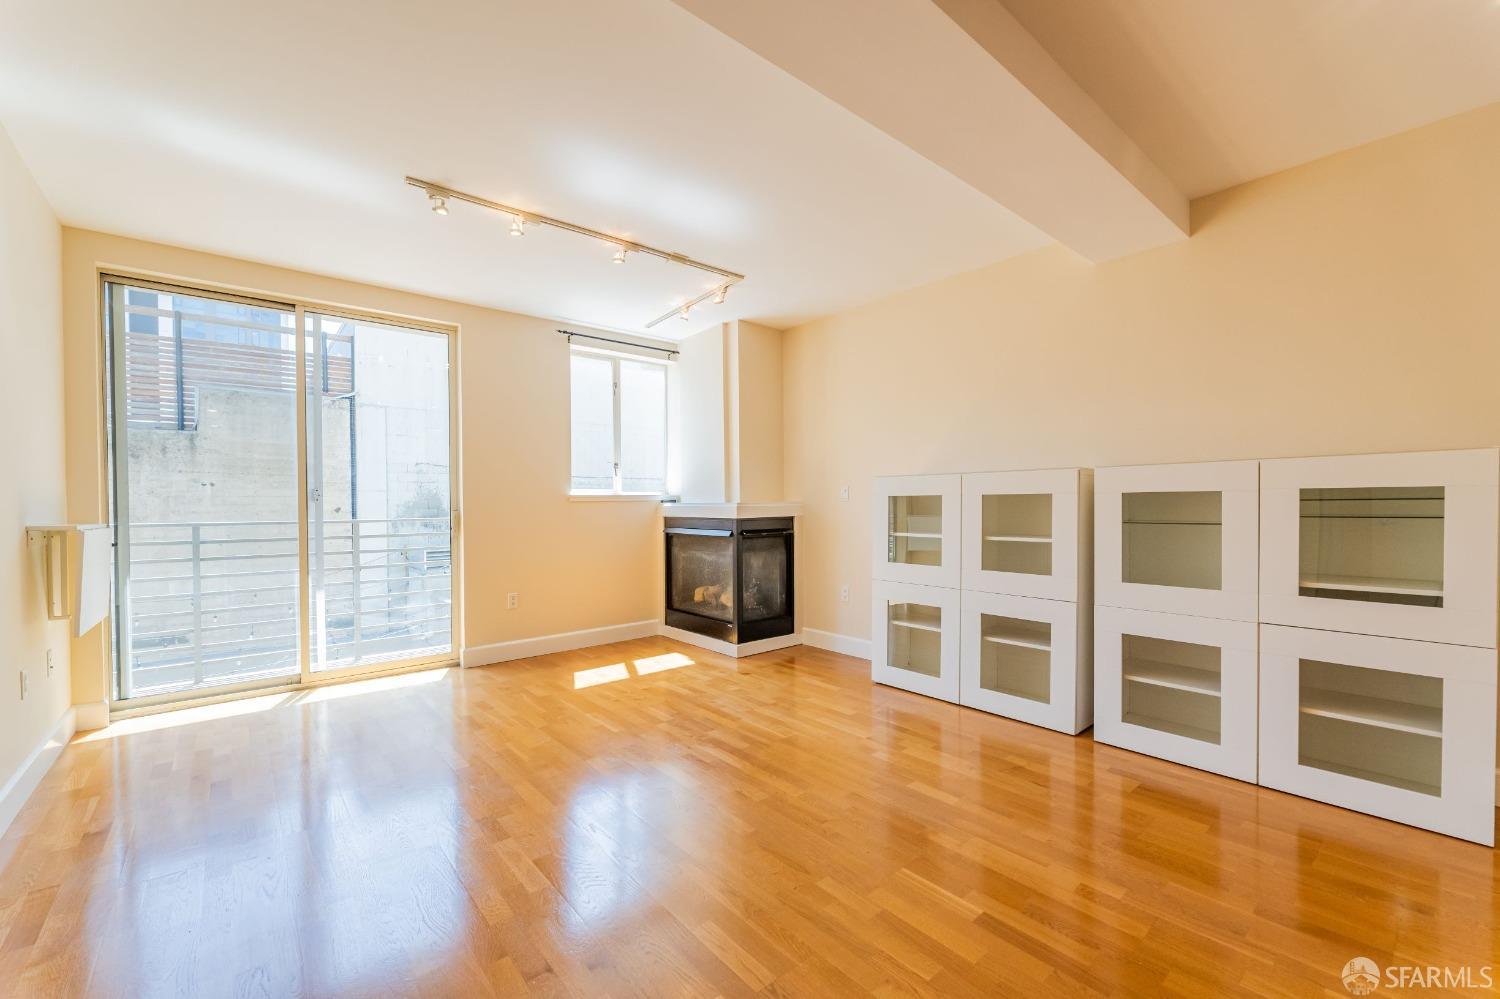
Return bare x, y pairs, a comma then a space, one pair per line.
1361, 975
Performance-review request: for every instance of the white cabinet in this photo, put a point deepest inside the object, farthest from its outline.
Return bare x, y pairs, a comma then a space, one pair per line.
915, 638
1029, 533
1179, 688
1401, 545
1395, 728
1178, 538
917, 519
1028, 659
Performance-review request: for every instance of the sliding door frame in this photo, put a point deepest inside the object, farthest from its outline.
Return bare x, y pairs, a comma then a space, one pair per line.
115, 472
455, 559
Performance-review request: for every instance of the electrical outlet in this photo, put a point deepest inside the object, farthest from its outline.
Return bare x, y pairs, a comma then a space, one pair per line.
49, 662
844, 493
512, 601
844, 594
23, 685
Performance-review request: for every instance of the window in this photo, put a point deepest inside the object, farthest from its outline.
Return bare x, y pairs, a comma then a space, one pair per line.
619, 424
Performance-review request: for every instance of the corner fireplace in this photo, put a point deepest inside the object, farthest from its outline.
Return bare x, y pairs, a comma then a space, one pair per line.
730, 579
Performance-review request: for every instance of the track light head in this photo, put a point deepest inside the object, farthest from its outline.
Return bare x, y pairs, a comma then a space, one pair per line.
619, 257
439, 203
685, 310
719, 295
518, 226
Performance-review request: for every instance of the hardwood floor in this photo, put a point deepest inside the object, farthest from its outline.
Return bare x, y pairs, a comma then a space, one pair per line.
650, 819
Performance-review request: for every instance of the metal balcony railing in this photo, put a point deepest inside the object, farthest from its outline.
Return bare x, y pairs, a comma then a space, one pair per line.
215, 603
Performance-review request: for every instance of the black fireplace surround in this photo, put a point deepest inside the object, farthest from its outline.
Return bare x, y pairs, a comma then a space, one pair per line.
730, 579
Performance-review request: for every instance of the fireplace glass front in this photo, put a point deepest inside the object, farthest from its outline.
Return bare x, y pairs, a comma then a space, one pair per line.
763, 577
730, 579
702, 574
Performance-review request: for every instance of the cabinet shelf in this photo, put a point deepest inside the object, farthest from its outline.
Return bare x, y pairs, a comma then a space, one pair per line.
1173, 676
1038, 638
916, 534
930, 620
1171, 726
1375, 776
1373, 584
1024, 538
1378, 712
1371, 516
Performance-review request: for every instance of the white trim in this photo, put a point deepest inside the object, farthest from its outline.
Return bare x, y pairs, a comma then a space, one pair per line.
90, 716
32, 769
616, 497
678, 508
525, 648
844, 645
726, 648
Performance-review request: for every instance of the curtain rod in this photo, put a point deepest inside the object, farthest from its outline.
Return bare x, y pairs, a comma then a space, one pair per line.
624, 343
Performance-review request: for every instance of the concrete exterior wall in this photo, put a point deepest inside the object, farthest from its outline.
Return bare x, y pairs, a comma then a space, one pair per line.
238, 464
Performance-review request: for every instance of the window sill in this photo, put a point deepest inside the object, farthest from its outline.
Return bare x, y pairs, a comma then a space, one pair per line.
617, 497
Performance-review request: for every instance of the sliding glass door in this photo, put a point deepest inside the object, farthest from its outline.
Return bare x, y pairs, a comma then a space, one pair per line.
379, 549
269, 527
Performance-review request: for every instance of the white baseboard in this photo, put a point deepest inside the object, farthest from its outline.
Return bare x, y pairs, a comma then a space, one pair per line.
21, 783
727, 648
525, 648
92, 715
859, 648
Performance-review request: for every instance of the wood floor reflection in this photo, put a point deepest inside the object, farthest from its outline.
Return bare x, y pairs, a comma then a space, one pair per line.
647, 819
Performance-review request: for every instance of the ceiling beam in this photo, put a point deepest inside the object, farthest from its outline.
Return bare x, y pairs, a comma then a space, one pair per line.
964, 85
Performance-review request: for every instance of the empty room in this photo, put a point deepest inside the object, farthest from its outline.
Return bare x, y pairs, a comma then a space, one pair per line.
802, 498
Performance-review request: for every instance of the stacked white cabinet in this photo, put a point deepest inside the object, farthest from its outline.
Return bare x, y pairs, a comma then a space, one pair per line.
1178, 688
915, 617
981, 592
1402, 545
1025, 647
1175, 584
915, 638
1378, 642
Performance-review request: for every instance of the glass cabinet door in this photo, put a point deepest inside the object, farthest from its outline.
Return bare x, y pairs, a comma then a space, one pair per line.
1399, 545
1179, 688
1387, 726
1183, 539
1029, 533
916, 521
1021, 659
915, 638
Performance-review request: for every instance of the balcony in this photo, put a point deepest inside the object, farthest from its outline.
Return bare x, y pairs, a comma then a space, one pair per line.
216, 603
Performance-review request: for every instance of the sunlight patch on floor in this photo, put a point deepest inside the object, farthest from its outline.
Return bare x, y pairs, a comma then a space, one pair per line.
595, 675
169, 719
600, 674
338, 691
665, 661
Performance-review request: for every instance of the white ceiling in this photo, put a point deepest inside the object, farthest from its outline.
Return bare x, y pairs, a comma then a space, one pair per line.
1218, 92
280, 131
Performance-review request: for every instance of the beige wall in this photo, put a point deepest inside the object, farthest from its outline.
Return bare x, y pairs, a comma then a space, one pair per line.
576, 565
1347, 305
728, 383
703, 414
757, 406
31, 461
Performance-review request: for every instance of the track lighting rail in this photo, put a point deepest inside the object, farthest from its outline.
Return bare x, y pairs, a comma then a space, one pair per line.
440, 195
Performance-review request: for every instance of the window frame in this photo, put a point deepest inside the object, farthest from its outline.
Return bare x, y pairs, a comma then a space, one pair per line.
614, 358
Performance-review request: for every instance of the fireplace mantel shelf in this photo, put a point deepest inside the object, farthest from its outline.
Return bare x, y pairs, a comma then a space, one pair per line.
736, 510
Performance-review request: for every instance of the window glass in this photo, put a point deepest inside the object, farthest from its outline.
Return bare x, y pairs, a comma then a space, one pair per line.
643, 427
593, 423
619, 413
